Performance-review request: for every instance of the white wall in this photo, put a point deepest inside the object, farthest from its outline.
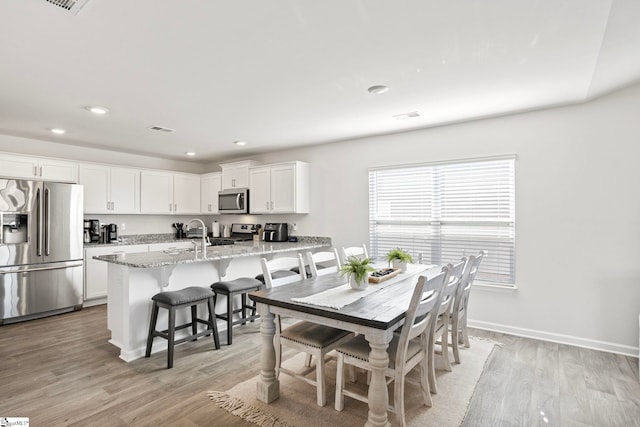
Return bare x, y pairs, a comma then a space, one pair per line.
577, 212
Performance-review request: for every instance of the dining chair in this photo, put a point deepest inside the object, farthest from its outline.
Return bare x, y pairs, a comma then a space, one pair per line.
307, 337
357, 251
321, 263
406, 349
459, 333
441, 329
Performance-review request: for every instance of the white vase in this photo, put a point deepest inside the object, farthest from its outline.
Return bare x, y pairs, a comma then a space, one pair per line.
396, 263
359, 286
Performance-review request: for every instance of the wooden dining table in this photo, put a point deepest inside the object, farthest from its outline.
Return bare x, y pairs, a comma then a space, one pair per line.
376, 314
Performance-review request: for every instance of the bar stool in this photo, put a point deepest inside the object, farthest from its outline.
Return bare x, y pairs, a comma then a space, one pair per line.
171, 300
231, 288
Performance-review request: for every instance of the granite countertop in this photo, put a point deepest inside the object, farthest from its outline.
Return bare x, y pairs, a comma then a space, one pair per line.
139, 239
214, 253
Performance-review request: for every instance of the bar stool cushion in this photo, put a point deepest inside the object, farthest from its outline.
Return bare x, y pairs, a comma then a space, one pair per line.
183, 296
242, 284
313, 335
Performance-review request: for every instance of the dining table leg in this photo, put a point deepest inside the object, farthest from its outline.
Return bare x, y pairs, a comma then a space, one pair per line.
378, 395
268, 386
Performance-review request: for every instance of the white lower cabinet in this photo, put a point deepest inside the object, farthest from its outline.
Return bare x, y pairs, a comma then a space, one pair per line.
95, 272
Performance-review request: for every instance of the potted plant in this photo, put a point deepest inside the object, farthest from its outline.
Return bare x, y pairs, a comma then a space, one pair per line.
358, 271
399, 258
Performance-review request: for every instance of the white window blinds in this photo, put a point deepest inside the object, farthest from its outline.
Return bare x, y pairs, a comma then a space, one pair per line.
442, 212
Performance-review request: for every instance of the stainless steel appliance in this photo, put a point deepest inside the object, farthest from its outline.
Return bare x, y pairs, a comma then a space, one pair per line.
41, 234
112, 233
93, 225
275, 232
234, 201
239, 233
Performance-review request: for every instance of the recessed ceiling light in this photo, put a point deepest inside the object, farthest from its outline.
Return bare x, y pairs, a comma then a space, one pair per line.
58, 131
378, 89
97, 110
190, 153
240, 143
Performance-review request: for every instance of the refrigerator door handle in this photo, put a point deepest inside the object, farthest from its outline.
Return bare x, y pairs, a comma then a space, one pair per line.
38, 223
47, 220
44, 267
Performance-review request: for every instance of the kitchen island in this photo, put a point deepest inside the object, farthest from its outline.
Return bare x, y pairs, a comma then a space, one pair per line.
133, 278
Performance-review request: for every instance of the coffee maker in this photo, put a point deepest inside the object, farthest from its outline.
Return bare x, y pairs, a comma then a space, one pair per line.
112, 233
91, 230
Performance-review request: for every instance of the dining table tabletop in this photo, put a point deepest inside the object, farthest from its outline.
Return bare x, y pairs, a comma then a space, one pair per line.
376, 312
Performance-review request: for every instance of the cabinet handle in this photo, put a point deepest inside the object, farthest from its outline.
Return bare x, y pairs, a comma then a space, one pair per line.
170, 207
175, 207
113, 206
267, 205
35, 171
40, 170
272, 205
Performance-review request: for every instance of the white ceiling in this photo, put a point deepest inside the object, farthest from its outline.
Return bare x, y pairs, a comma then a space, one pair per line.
283, 73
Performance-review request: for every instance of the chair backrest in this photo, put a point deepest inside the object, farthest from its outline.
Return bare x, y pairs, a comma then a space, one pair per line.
423, 309
468, 276
321, 263
357, 251
283, 263
450, 288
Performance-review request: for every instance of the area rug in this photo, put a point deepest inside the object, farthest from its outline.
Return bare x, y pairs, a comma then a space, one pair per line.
296, 406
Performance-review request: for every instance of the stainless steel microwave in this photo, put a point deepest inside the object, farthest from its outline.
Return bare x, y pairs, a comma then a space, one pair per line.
235, 201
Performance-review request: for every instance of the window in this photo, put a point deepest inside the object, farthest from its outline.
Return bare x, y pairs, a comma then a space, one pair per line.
441, 212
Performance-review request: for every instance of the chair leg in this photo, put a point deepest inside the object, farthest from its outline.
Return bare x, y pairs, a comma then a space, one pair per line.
229, 318
171, 336
431, 367
213, 323
152, 328
194, 323
339, 403
424, 382
320, 380
398, 397
455, 340
444, 340
243, 307
465, 332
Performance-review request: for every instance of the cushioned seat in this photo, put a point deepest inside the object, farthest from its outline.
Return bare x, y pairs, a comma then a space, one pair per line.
313, 335
172, 300
231, 288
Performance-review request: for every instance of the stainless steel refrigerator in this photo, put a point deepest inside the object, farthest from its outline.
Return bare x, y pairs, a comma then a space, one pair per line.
41, 266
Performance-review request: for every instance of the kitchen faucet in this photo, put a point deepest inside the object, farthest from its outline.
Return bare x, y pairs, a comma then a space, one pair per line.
204, 236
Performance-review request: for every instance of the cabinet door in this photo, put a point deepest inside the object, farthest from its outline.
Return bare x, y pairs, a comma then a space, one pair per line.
58, 170
95, 272
259, 190
95, 179
283, 189
18, 167
124, 190
210, 185
186, 193
156, 192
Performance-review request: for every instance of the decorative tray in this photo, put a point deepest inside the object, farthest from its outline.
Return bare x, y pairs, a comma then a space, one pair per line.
383, 274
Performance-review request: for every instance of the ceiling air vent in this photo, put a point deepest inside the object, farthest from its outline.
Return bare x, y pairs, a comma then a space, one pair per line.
72, 6
161, 129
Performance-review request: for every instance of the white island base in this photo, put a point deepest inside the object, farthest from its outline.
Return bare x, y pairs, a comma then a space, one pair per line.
132, 279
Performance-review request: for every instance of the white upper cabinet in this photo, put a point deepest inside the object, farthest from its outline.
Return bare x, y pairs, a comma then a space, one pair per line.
236, 175
210, 185
186, 193
279, 188
25, 167
169, 193
110, 189
156, 192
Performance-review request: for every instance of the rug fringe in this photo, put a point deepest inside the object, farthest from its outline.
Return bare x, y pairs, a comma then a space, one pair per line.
245, 411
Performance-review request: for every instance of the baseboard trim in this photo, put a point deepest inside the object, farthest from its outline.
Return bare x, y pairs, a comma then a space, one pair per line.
557, 338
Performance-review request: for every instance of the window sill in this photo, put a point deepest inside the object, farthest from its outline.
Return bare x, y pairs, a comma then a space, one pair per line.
486, 286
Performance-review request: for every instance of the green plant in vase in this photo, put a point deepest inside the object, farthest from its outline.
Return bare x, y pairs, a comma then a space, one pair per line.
399, 258
358, 271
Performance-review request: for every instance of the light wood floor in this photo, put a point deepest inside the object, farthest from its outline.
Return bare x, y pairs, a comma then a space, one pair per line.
60, 371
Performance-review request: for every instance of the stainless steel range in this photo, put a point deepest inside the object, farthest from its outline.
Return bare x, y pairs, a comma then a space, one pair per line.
239, 233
